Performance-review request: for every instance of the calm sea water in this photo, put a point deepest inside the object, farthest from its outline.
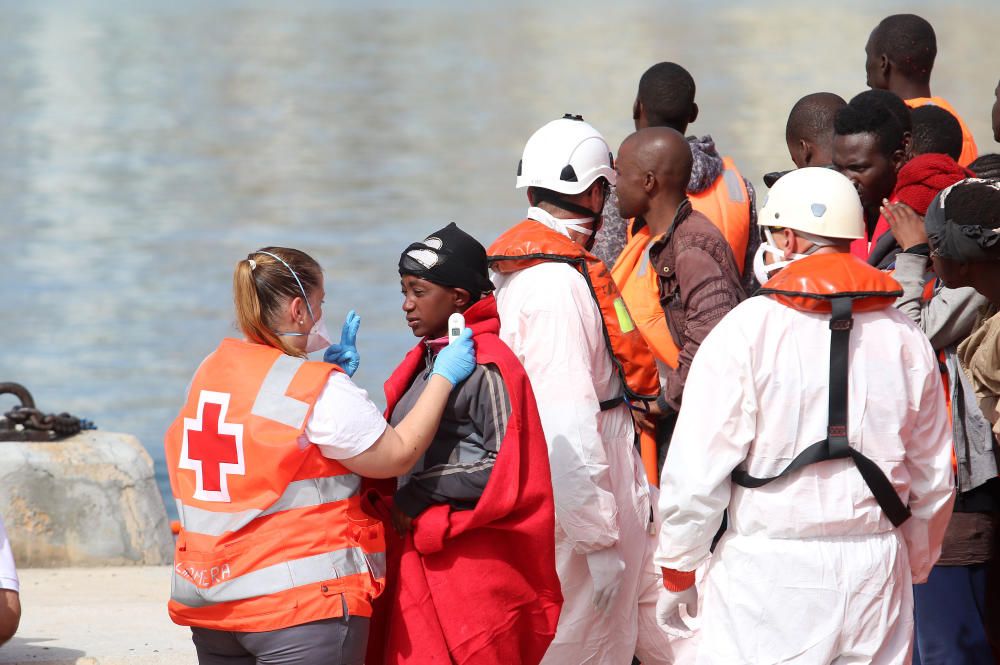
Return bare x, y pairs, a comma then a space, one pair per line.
146, 147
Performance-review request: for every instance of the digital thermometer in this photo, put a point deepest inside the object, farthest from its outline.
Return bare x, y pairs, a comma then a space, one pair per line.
456, 324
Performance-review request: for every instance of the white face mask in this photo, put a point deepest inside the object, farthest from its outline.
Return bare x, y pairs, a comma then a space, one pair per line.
564, 226
318, 338
764, 271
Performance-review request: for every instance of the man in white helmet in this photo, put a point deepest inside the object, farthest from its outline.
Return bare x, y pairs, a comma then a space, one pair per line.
562, 315
822, 386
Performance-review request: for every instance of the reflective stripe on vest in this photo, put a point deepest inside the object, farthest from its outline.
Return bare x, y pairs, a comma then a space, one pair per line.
300, 494
734, 186
273, 403
727, 204
273, 579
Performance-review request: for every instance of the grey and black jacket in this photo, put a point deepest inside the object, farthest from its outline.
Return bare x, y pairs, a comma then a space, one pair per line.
947, 319
458, 464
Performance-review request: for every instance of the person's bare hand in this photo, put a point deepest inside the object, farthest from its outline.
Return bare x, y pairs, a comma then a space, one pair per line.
645, 419
402, 522
907, 226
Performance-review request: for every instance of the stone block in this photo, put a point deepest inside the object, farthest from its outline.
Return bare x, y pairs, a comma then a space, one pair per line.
90, 500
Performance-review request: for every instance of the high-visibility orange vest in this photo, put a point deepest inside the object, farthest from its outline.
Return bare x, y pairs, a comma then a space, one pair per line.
969, 150
727, 204
636, 279
272, 533
531, 243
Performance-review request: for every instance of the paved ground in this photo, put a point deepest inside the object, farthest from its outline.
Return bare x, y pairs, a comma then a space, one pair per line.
97, 616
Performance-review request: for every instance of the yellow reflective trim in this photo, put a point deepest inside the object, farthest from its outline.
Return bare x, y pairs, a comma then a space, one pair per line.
624, 318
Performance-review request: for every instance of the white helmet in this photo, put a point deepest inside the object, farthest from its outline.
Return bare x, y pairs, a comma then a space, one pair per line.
565, 156
815, 200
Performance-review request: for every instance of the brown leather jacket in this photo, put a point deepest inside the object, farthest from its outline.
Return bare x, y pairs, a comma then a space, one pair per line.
699, 284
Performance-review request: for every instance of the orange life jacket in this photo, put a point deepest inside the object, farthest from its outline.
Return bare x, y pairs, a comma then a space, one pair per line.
969, 150
810, 284
647, 453
531, 243
636, 279
272, 532
727, 204
840, 284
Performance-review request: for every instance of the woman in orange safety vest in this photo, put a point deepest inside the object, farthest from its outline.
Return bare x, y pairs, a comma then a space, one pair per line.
277, 559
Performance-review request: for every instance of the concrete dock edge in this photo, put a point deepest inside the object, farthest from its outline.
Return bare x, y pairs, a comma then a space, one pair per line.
97, 616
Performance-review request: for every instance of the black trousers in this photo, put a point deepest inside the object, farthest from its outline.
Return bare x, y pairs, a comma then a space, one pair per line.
340, 641
664, 432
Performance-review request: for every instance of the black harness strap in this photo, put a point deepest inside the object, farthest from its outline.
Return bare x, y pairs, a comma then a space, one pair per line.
609, 404
841, 323
548, 196
836, 444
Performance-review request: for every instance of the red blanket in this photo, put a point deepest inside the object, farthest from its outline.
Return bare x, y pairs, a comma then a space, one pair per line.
478, 587
919, 181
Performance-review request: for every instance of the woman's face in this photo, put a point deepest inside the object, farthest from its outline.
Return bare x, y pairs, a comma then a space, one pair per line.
428, 305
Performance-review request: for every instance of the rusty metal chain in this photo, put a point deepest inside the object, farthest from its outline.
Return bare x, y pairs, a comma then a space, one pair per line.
27, 423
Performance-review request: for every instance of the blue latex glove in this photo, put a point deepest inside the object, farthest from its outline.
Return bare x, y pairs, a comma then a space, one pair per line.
457, 361
346, 353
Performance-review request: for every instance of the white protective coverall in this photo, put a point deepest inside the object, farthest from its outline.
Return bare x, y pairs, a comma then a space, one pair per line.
552, 323
810, 569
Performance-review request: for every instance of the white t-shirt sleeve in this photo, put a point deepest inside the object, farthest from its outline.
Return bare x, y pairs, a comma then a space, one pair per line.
8, 574
344, 422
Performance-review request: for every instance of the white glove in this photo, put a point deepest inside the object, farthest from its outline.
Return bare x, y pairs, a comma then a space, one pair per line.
668, 610
606, 571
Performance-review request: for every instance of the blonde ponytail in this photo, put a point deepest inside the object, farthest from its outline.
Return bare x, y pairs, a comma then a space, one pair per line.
260, 288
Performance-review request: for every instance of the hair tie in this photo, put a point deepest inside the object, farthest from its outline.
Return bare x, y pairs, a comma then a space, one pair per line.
253, 264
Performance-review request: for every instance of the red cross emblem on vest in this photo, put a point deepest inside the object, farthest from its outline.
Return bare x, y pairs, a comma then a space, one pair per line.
212, 448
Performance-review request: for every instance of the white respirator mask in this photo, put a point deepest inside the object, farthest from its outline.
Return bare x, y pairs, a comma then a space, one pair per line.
764, 271
319, 338
563, 226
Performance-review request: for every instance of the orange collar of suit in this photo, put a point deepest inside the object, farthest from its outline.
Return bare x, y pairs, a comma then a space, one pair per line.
810, 284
